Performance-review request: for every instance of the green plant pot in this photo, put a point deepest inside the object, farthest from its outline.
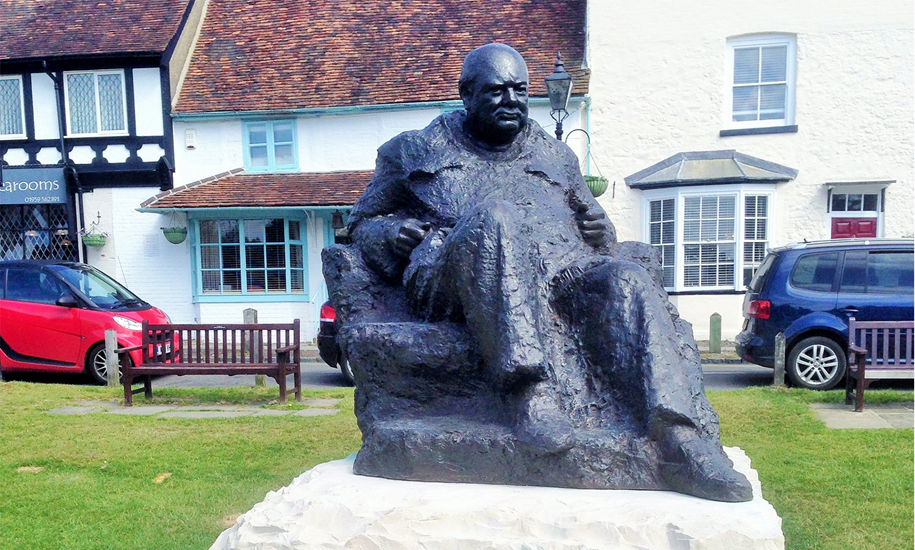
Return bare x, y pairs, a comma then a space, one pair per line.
597, 184
175, 235
94, 240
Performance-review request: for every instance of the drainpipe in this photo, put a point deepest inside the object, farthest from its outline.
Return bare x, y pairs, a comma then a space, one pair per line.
69, 170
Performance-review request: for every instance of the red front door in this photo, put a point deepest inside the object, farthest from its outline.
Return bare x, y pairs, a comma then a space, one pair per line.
847, 228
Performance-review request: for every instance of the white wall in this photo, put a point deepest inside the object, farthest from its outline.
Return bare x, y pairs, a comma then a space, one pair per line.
148, 100
658, 88
325, 143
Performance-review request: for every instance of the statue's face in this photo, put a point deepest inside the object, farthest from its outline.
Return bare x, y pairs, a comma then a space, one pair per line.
496, 100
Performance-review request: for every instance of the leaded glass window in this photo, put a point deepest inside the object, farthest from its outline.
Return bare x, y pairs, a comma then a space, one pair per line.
95, 102
11, 105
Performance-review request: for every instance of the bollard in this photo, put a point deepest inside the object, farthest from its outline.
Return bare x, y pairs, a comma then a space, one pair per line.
250, 318
111, 358
714, 335
779, 376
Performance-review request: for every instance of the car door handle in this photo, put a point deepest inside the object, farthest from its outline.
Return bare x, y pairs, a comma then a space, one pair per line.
851, 310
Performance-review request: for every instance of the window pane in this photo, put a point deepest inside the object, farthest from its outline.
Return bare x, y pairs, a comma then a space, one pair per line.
749, 207
749, 228
81, 102
726, 230
761, 232
276, 255
691, 253
691, 275
275, 232
256, 282
655, 234
257, 134
282, 132
889, 273
746, 103
258, 155
294, 231
254, 256
726, 207
208, 232
667, 233
298, 280
709, 230
231, 257
870, 203
815, 272
231, 281
296, 258
276, 281
774, 63
691, 208
655, 209
10, 107
691, 230
209, 257
211, 281
255, 231
283, 155
668, 210
762, 206
838, 202
746, 65
772, 102
709, 208
855, 203
228, 231
111, 102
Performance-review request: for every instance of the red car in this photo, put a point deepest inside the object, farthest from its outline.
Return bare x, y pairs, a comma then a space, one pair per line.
54, 314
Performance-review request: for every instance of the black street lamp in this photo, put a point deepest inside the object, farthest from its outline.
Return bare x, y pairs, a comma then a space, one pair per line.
559, 88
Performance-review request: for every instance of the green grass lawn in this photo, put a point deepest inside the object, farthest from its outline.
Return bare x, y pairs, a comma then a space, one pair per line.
90, 482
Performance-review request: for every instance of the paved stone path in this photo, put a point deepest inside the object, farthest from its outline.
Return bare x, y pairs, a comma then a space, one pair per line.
316, 407
874, 417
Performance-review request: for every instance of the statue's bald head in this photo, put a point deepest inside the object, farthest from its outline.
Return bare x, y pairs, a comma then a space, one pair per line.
493, 87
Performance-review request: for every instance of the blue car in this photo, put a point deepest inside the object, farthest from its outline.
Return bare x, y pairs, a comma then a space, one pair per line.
809, 290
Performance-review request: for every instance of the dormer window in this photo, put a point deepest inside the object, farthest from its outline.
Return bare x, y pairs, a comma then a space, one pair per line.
96, 103
270, 146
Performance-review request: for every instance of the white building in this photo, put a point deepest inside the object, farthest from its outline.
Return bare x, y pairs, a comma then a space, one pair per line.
730, 127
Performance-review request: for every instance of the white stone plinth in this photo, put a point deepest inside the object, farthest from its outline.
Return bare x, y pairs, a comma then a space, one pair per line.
330, 507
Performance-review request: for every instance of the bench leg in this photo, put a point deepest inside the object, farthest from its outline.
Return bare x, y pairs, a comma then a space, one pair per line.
298, 383
849, 386
281, 378
126, 379
147, 386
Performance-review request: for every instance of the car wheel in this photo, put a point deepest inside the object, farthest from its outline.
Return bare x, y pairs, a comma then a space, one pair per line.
816, 363
96, 365
347, 371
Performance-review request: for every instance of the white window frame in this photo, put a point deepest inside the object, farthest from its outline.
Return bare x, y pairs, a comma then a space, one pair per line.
98, 110
679, 194
759, 40
21, 107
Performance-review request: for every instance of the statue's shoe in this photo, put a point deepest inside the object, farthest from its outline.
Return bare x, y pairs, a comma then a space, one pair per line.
698, 468
544, 433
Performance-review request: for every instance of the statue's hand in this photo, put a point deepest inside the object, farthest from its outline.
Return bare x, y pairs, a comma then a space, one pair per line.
594, 227
410, 233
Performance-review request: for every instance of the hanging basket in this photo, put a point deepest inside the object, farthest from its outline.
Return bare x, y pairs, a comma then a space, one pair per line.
94, 240
175, 235
597, 184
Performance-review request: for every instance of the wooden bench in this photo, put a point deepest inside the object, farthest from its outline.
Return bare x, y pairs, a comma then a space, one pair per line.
269, 349
877, 350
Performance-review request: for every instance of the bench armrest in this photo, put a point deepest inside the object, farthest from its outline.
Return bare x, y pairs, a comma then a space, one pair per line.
125, 350
287, 349
856, 349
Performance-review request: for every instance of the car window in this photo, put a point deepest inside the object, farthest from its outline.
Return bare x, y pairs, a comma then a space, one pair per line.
28, 285
854, 275
756, 283
815, 272
103, 291
889, 272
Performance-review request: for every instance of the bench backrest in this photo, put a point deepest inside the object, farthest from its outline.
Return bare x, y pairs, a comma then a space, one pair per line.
218, 344
888, 343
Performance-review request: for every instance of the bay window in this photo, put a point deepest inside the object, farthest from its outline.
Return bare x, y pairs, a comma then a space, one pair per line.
250, 257
707, 236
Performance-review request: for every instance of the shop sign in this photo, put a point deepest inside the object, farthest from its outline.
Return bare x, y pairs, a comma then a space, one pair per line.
33, 186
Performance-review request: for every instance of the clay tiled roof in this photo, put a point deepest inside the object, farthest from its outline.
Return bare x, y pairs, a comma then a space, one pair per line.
237, 189
48, 28
287, 54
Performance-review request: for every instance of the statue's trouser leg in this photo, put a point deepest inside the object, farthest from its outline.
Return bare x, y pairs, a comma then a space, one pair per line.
482, 270
625, 326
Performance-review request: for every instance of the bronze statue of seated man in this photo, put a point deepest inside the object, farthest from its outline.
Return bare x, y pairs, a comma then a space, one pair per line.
497, 331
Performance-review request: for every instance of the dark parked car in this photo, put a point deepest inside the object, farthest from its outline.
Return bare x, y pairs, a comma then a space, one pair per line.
54, 314
328, 347
809, 290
